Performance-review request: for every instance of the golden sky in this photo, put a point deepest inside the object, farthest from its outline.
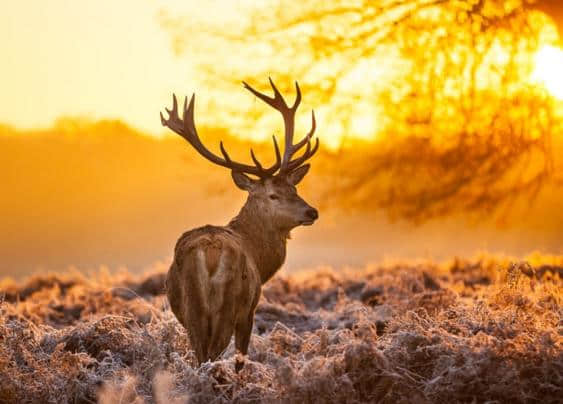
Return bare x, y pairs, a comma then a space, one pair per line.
113, 59
97, 59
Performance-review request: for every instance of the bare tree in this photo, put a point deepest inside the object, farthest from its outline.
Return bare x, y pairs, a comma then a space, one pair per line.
463, 128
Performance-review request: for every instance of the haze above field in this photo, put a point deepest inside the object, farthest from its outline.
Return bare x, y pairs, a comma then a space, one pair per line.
89, 194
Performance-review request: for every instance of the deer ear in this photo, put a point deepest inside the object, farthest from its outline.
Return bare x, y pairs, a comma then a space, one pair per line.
297, 175
243, 181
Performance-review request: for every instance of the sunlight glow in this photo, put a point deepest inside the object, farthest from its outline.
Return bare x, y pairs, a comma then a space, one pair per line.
364, 127
549, 70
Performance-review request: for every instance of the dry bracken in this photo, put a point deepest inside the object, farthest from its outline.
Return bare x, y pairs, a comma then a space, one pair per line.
465, 331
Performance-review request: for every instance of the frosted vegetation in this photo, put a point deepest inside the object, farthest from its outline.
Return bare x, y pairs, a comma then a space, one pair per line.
463, 331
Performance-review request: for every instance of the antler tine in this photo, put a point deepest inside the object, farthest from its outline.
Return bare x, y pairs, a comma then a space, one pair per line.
186, 128
288, 114
256, 162
189, 123
305, 156
291, 150
224, 152
276, 102
309, 135
277, 149
277, 95
172, 114
297, 97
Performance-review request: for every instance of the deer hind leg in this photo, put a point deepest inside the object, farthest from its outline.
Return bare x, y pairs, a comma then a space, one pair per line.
194, 316
243, 331
243, 328
222, 304
199, 335
221, 335
222, 327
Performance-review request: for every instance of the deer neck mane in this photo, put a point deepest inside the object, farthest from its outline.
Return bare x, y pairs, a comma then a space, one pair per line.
266, 243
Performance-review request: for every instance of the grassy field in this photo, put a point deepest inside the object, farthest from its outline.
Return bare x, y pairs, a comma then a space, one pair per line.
488, 329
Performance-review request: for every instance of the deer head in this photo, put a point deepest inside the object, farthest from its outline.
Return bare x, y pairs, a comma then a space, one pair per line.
273, 191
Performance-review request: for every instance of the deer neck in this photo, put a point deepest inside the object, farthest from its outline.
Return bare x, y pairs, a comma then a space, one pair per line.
266, 243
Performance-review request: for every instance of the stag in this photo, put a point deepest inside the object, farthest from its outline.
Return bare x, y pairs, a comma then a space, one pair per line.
215, 280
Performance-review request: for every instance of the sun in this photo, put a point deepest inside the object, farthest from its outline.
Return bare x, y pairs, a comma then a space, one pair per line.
549, 69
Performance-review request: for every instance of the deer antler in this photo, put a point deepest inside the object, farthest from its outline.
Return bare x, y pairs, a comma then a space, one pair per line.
186, 128
288, 114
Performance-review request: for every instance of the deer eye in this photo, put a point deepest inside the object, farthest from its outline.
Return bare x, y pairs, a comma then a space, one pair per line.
274, 197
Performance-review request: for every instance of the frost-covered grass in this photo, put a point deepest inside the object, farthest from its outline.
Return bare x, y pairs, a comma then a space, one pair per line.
465, 331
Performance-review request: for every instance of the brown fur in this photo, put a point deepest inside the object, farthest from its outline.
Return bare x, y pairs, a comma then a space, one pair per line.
214, 282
